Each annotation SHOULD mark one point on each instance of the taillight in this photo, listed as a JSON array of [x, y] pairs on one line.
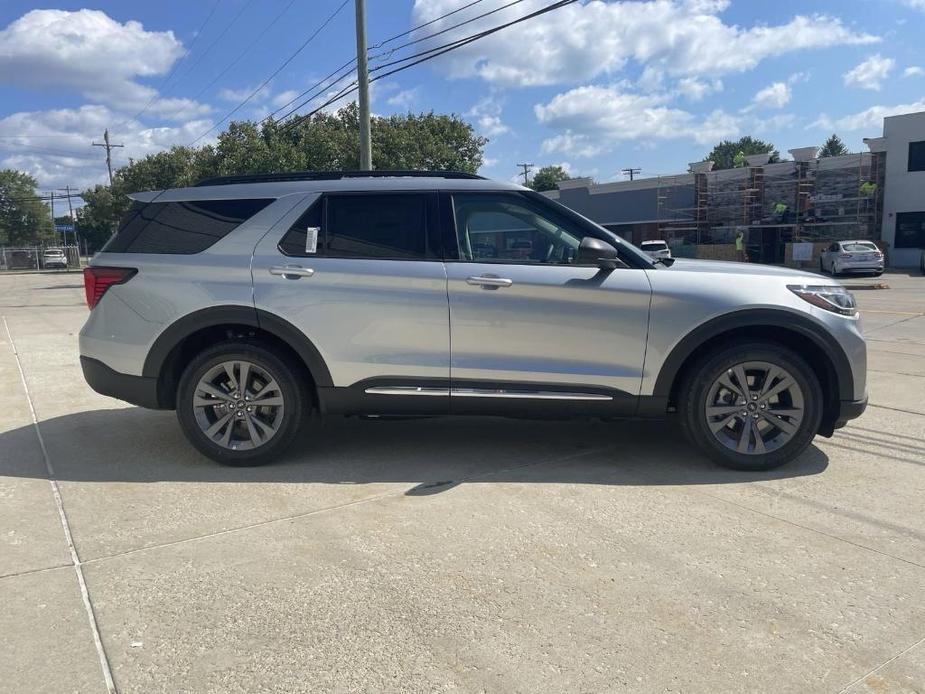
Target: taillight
[[98, 279]]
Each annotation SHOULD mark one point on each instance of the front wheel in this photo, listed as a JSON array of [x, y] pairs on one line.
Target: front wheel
[[751, 407], [240, 403]]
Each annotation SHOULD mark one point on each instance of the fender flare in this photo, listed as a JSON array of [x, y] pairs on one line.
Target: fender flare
[[191, 323], [756, 318]]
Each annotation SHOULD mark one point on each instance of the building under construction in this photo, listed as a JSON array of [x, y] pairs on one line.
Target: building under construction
[[700, 213]]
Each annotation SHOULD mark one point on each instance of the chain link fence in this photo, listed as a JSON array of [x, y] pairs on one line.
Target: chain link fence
[[40, 258]]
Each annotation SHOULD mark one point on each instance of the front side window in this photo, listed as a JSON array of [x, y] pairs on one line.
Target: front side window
[[917, 156], [910, 230], [509, 228]]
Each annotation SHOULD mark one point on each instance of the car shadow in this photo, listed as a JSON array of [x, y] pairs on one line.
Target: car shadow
[[133, 445]]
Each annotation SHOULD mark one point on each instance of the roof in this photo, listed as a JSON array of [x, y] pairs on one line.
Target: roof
[[354, 182]]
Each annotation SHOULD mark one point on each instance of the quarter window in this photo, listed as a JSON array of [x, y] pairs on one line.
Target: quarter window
[[183, 227], [295, 240], [499, 228]]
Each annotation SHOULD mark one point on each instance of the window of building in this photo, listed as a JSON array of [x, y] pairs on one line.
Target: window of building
[[910, 230], [180, 227], [917, 156]]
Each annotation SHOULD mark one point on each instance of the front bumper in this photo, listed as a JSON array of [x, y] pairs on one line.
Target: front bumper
[[850, 409], [137, 390]]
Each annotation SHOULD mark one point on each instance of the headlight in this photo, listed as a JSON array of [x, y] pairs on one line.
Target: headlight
[[835, 298]]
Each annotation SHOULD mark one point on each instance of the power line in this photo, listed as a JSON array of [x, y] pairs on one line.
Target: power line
[[245, 51], [427, 55], [275, 72], [176, 66], [391, 51], [350, 63]]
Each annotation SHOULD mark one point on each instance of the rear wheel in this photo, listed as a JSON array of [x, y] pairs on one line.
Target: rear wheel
[[752, 407], [240, 403]]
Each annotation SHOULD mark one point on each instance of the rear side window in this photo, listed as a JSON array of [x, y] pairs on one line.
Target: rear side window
[[180, 227], [377, 226], [385, 226]]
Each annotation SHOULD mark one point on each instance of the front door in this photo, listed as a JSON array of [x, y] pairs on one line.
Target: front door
[[530, 329], [361, 275]]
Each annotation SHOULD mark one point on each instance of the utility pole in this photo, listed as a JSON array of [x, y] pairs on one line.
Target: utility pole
[[527, 168], [109, 147], [366, 155], [631, 172], [70, 209]]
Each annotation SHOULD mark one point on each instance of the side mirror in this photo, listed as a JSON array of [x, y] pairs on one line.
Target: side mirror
[[593, 251]]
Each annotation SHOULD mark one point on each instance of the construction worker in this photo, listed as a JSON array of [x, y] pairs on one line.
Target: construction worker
[[740, 246]]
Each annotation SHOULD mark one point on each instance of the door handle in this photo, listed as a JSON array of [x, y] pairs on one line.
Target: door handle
[[489, 282], [291, 272]]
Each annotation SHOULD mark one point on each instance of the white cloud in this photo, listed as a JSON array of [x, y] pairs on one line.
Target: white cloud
[[695, 89], [868, 119], [487, 114], [869, 73], [404, 99], [90, 53], [776, 95], [913, 71], [284, 98], [593, 118], [55, 146], [583, 40], [239, 95], [774, 123]]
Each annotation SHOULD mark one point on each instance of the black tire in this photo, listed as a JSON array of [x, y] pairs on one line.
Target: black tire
[[279, 366], [695, 390]]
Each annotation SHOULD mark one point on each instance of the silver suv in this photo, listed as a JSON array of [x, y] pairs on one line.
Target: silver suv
[[246, 302]]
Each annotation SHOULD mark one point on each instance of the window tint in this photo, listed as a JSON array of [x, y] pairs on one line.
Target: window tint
[[917, 156], [293, 243], [505, 228], [377, 226], [180, 227], [910, 230]]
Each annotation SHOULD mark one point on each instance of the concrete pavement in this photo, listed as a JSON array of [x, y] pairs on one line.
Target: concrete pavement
[[453, 554]]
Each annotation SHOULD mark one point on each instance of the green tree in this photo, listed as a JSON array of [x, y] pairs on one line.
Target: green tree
[[324, 142], [833, 147], [548, 177], [24, 218], [725, 153]]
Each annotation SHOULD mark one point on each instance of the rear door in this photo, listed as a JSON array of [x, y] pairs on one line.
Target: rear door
[[531, 329], [361, 276]]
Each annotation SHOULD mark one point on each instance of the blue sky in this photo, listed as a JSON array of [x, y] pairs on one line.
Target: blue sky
[[596, 86]]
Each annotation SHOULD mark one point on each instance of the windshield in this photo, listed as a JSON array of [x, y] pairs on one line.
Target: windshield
[[858, 247]]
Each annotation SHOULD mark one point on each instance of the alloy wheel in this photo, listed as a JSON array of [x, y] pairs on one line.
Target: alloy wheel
[[238, 405], [754, 407]]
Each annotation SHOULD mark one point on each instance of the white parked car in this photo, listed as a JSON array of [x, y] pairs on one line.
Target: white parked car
[[655, 249], [851, 256], [54, 258]]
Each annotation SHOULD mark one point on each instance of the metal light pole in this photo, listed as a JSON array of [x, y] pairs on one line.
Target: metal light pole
[[366, 155]]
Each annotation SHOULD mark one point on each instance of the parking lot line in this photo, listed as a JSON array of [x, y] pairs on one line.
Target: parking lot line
[[75, 559]]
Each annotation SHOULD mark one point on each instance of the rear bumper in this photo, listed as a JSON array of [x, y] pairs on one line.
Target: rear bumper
[[137, 390]]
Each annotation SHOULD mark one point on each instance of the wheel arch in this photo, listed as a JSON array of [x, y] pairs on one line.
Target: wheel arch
[[805, 337], [190, 334]]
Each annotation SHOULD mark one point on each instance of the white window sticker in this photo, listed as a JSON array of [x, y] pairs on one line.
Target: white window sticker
[[311, 239]]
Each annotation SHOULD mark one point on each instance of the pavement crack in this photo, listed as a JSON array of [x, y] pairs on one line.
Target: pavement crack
[[881, 666]]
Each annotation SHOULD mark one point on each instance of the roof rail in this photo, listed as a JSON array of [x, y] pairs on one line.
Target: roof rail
[[328, 176]]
